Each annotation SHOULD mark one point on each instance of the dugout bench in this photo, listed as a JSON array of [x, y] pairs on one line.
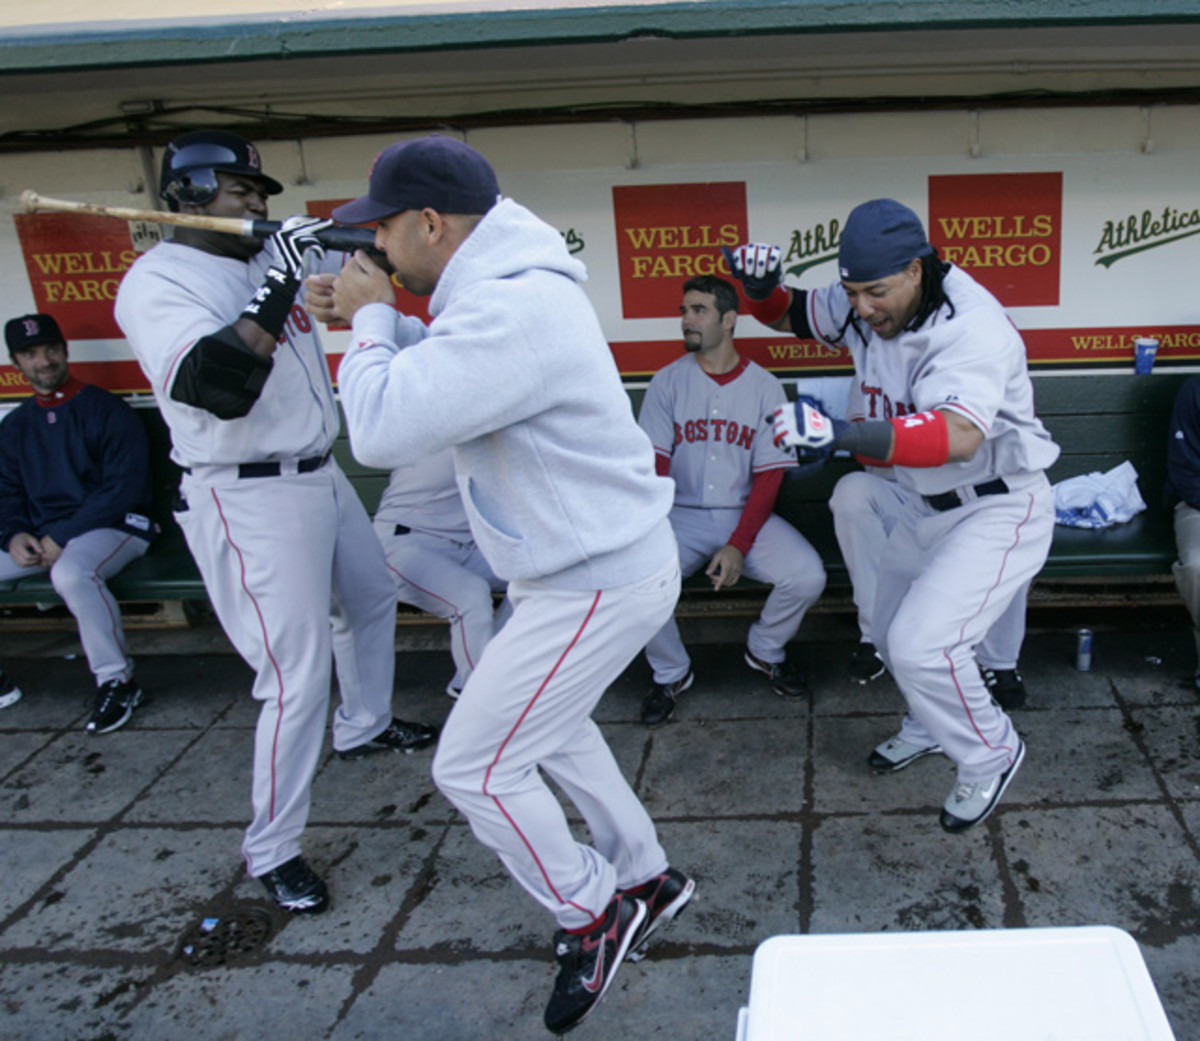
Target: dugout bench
[[1098, 419]]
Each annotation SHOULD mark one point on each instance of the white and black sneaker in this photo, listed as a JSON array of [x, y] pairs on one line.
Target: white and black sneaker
[[115, 702], [296, 887], [397, 736], [659, 703], [895, 754], [968, 804], [865, 664], [1005, 686], [9, 692]]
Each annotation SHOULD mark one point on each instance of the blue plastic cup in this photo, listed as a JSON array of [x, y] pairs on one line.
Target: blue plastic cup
[[1145, 348]]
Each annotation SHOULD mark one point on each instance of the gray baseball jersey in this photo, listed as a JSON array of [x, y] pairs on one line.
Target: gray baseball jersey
[[972, 363], [715, 434]]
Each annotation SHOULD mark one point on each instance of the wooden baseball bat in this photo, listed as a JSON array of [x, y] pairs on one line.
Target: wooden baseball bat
[[342, 237]]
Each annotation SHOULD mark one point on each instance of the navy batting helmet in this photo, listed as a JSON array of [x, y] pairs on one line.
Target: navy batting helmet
[[191, 163]]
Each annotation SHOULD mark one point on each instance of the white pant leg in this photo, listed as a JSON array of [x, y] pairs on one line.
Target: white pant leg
[[80, 577], [10, 570], [784, 558], [698, 534], [1187, 568], [364, 623], [449, 579], [946, 579], [265, 547], [529, 704], [864, 510], [1000, 647]]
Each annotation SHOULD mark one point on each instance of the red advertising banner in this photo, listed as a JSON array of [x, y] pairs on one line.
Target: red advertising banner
[[668, 233], [75, 263], [1004, 229]]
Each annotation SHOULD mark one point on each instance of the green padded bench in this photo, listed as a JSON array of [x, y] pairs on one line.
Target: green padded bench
[[1099, 420]]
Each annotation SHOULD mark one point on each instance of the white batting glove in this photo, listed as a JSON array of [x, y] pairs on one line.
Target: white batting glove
[[757, 266], [296, 238], [802, 425]]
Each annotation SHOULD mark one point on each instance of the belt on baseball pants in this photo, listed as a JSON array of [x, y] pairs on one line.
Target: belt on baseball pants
[[274, 468], [952, 500]]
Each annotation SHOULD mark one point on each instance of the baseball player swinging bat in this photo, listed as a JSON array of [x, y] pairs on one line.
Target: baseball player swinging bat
[[346, 239]]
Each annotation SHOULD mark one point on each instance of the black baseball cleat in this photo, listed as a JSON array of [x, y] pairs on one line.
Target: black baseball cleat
[[659, 704], [296, 887], [398, 736], [786, 679], [665, 897], [587, 962], [115, 702], [1005, 686], [865, 664]]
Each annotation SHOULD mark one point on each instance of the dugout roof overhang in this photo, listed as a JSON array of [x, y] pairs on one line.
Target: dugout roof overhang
[[99, 72]]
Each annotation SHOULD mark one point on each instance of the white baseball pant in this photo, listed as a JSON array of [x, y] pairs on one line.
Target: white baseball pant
[[944, 581], [451, 580], [295, 574], [864, 509], [528, 705], [780, 556]]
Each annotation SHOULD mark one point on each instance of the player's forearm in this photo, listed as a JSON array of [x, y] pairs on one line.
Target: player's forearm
[[255, 337], [923, 439]]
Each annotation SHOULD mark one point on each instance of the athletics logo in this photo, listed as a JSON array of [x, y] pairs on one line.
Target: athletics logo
[[1135, 234]]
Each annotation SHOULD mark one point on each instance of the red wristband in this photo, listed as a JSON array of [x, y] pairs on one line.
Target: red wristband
[[770, 310], [921, 439]]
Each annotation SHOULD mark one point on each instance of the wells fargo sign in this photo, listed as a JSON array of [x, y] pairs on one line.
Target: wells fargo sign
[[75, 263], [668, 233], [1004, 229]]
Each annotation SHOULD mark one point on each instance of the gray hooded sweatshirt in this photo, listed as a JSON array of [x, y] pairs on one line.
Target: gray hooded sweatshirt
[[515, 373]]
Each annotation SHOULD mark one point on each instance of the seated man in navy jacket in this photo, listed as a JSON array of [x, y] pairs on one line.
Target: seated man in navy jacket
[[74, 488]]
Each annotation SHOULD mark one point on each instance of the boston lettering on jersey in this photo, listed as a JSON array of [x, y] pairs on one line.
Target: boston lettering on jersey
[[728, 431], [878, 405]]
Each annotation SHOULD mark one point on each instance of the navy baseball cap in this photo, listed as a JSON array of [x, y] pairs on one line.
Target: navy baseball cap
[[880, 237], [439, 172], [30, 330]]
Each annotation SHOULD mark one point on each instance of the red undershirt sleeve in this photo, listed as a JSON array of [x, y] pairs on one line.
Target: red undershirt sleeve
[[764, 490]]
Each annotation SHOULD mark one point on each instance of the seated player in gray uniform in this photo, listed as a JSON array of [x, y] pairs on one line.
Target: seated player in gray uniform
[[947, 402], [1181, 492], [435, 561], [706, 415], [74, 490]]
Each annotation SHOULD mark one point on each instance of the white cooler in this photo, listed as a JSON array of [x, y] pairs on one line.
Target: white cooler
[[1085, 983]]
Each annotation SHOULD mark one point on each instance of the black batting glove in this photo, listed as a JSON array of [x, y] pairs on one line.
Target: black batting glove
[[757, 265]]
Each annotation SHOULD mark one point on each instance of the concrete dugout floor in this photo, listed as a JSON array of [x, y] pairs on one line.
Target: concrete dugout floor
[[113, 847]]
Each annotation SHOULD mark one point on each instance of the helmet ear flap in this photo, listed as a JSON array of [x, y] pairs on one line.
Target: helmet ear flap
[[195, 187]]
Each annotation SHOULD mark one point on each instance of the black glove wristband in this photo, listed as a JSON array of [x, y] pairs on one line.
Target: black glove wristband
[[270, 306]]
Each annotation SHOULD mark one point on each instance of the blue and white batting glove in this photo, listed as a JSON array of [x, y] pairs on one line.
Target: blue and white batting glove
[[757, 266], [295, 239], [804, 426]]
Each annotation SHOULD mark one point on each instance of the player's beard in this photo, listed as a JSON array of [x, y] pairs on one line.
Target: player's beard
[[692, 342]]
